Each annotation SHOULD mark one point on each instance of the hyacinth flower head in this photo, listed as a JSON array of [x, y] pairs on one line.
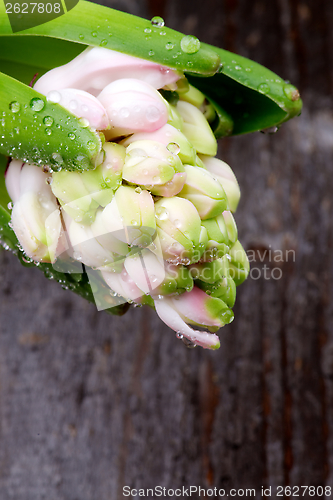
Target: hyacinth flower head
[[125, 179]]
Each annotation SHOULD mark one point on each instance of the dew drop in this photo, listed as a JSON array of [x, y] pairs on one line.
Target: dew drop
[[162, 33], [179, 335], [57, 158], [48, 131], [91, 145], [169, 45], [15, 106], [84, 122], [151, 53], [81, 37], [291, 92], [157, 21], [147, 30], [162, 213], [270, 130], [73, 104], [103, 43], [94, 33], [37, 104], [152, 114], [189, 343], [263, 88], [190, 44], [173, 147], [54, 96], [72, 136], [48, 121], [238, 68], [124, 112], [10, 205]]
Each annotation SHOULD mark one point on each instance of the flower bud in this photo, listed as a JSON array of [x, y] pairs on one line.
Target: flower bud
[[171, 138], [96, 67], [205, 192], [227, 178], [81, 193], [85, 247], [150, 165], [223, 287], [197, 308], [179, 230], [132, 214], [193, 96], [133, 106], [197, 129], [36, 217], [239, 263]]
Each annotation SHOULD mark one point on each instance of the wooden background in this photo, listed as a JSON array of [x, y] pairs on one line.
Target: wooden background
[[90, 403]]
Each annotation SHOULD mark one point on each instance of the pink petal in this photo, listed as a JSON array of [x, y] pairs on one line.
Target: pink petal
[[167, 313], [83, 105], [192, 305], [133, 106], [172, 187], [96, 67], [12, 179]]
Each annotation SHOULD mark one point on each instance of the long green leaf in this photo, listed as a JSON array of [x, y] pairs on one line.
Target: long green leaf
[[41, 132], [254, 97]]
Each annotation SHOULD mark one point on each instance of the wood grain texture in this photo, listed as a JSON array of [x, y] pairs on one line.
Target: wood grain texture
[[90, 403]]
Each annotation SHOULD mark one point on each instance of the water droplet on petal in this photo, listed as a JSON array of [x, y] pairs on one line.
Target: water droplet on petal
[[54, 96], [162, 213], [10, 205], [124, 112], [157, 21], [190, 44], [173, 147], [189, 343], [152, 114]]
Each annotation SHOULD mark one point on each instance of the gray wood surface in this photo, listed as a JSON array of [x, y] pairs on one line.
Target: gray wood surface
[[90, 403]]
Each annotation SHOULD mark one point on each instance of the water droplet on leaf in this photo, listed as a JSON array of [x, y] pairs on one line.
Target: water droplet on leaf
[[263, 88], [37, 104], [15, 106], [157, 21], [190, 44]]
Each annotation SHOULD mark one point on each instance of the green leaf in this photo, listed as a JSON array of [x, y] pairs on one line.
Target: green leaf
[[253, 96], [38, 131]]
